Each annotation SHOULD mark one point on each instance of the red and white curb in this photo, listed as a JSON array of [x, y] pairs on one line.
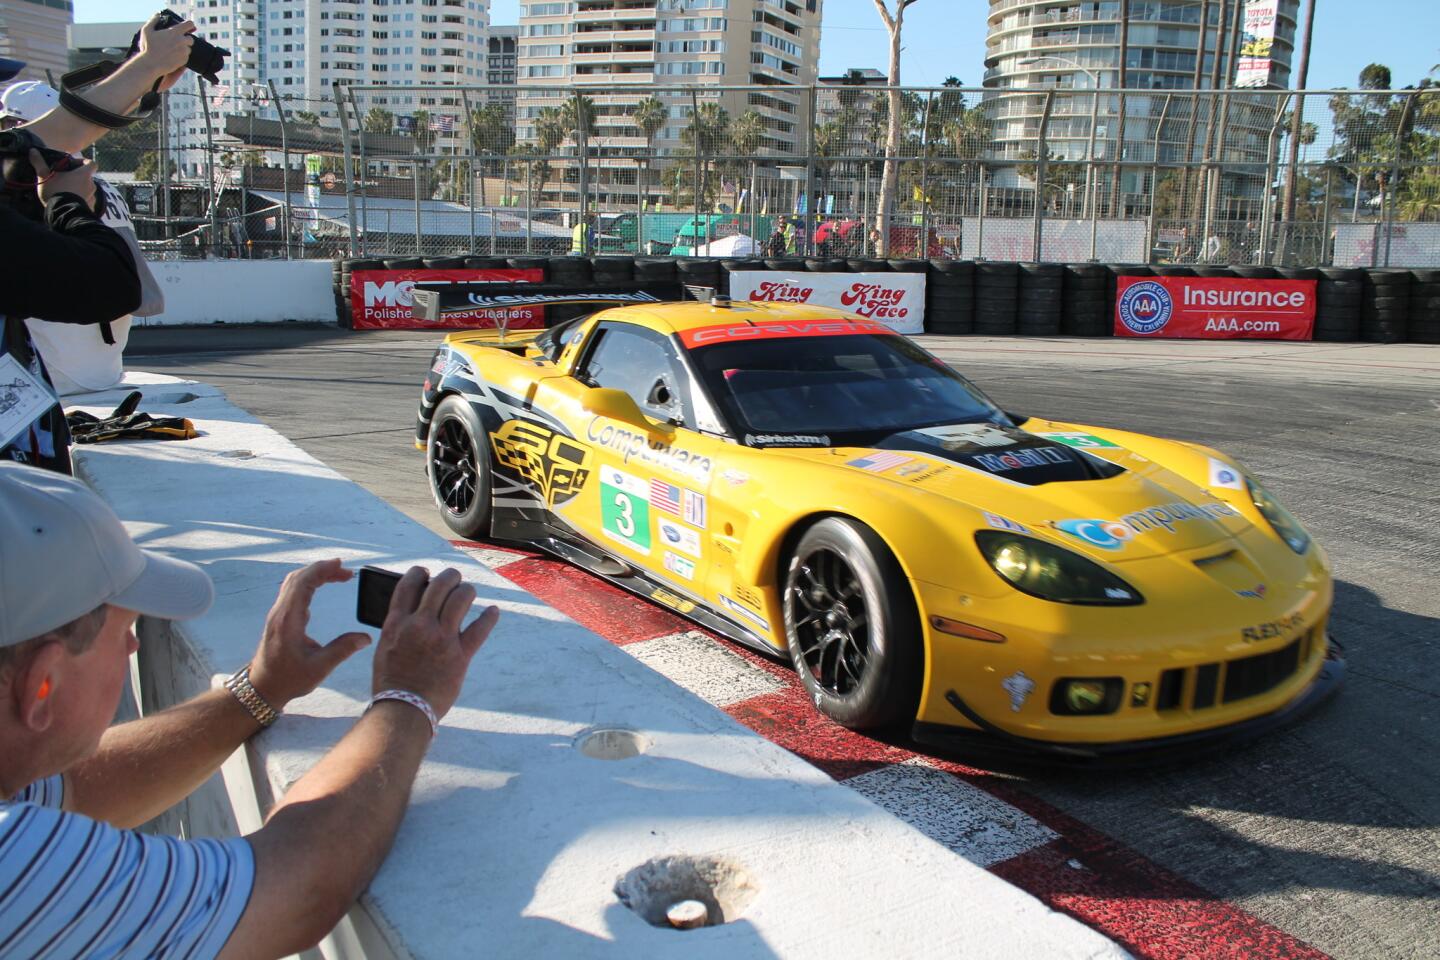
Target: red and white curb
[[989, 820]]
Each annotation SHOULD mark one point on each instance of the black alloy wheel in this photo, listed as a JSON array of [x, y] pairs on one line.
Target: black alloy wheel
[[852, 627], [459, 469]]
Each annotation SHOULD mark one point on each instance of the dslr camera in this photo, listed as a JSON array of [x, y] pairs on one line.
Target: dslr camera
[[18, 193], [206, 59]]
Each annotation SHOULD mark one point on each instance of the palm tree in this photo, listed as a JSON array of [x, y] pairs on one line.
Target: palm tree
[[308, 116], [968, 136], [491, 134], [551, 129], [378, 120], [709, 126], [746, 133], [650, 116]]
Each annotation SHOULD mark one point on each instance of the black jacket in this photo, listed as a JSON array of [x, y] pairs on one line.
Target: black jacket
[[71, 269]]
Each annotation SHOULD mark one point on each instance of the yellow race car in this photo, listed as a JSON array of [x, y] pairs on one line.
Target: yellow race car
[[816, 486]]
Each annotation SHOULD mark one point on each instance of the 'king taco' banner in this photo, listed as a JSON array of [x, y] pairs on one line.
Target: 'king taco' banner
[[1208, 308], [381, 299], [894, 299]]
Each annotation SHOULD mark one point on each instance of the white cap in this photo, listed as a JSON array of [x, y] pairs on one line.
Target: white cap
[[63, 552], [28, 100]]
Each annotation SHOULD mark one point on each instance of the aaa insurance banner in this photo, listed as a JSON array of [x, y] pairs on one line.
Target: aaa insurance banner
[[382, 299], [1206, 308], [894, 299]]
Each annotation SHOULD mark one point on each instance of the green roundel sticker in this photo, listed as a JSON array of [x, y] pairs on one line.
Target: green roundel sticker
[[625, 508], [1081, 440]]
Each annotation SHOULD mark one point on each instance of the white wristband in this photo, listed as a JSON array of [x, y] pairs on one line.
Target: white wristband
[[414, 699]]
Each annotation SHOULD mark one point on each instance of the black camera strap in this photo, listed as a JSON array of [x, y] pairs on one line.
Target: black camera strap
[[72, 82]]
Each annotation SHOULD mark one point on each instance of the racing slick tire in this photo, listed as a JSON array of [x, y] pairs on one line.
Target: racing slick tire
[[457, 464], [862, 668]]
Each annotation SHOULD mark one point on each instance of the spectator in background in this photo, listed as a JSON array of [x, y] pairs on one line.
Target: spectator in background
[[80, 882], [82, 358]]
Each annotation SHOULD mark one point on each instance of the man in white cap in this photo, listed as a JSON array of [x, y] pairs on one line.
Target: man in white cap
[[83, 357], [75, 879]]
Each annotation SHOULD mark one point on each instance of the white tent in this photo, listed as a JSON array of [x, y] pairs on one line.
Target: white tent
[[737, 246]]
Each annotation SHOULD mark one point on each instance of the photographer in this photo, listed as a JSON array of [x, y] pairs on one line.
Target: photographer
[[79, 881], [61, 262]]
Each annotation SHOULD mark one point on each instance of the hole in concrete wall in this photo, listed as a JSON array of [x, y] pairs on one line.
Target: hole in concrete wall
[[659, 890], [612, 743]]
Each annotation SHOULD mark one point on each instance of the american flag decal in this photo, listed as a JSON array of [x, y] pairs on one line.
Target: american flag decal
[[877, 462], [665, 496]]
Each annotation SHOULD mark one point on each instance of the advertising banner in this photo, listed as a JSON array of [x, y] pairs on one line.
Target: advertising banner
[[1253, 67], [382, 299], [1204, 308], [894, 299]]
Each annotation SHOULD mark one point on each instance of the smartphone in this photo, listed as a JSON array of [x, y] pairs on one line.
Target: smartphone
[[372, 601]]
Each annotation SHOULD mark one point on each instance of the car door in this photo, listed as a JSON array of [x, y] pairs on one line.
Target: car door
[[652, 479]]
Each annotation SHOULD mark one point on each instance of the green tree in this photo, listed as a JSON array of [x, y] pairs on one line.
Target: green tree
[[491, 135], [650, 115], [378, 120], [307, 116], [706, 133], [746, 133]]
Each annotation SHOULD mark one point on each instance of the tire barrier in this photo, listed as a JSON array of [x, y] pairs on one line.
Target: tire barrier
[[997, 294], [993, 298], [1038, 306], [1385, 306], [1424, 320], [950, 297], [1338, 296], [1084, 300]]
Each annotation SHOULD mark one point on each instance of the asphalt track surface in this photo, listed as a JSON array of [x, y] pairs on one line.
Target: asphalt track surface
[[1322, 839]]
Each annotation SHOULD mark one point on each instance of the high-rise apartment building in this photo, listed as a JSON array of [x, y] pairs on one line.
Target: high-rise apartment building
[[35, 31], [304, 46], [1073, 47], [623, 51]]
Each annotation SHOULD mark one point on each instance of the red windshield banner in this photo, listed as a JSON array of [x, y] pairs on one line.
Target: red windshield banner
[[1210, 308], [381, 299], [731, 332]]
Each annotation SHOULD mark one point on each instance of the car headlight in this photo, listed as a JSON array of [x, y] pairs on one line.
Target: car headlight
[[1052, 573], [1280, 520]]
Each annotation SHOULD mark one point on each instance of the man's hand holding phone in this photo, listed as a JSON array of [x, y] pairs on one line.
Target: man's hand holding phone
[[423, 649]]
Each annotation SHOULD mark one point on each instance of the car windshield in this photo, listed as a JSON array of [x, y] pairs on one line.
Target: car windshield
[[866, 383]]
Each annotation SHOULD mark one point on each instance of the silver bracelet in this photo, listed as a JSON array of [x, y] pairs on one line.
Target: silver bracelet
[[238, 683], [415, 700]]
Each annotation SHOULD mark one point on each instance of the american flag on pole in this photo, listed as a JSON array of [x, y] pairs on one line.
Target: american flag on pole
[[665, 496], [443, 123]]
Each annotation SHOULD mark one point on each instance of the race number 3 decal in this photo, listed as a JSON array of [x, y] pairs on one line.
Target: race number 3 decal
[[625, 509]]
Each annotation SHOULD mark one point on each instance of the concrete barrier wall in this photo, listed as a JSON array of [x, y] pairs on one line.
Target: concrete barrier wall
[[516, 839], [243, 291]]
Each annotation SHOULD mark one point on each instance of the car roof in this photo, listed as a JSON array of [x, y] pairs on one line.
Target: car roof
[[670, 318]]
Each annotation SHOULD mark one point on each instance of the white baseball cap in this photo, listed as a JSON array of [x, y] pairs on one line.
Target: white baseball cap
[[64, 552], [28, 100]]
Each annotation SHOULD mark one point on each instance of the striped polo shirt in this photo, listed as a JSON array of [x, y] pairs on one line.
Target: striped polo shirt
[[74, 887]]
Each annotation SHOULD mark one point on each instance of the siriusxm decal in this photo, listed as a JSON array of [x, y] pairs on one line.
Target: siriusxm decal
[[1145, 307], [1114, 534]]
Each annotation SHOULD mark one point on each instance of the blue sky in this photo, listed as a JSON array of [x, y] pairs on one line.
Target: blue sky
[[947, 37]]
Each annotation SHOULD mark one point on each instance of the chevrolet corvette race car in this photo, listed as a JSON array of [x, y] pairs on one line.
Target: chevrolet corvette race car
[[816, 486]]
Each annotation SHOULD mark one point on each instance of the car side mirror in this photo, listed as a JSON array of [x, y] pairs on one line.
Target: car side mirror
[[616, 404]]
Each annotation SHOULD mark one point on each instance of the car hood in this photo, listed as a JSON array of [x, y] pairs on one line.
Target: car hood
[[1116, 508]]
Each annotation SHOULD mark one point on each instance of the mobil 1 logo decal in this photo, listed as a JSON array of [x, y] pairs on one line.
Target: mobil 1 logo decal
[[625, 508]]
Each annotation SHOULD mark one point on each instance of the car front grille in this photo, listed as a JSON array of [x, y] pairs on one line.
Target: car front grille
[[1232, 680]]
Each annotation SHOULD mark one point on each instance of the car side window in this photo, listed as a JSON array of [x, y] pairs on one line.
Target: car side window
[[643, 364]]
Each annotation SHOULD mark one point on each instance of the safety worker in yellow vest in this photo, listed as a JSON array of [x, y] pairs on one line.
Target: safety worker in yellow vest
[[582, 238]]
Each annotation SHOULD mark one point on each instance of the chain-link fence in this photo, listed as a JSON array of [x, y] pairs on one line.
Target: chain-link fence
[[1053, 173]]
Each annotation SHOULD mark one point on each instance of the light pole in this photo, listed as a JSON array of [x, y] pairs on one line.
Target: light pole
[[1094, 119]]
